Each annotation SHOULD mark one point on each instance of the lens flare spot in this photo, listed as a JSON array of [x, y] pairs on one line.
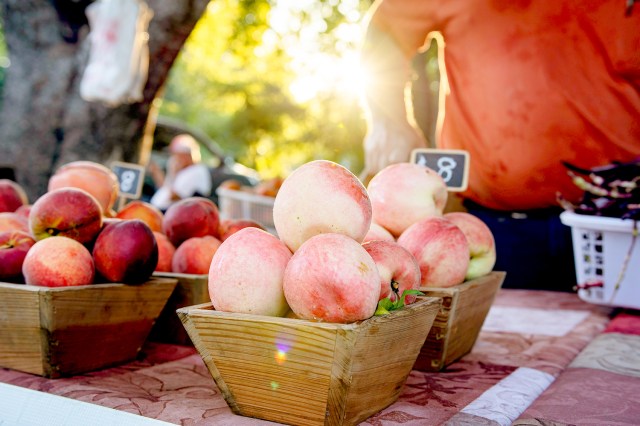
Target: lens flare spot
[[274, 385], [281, 356]]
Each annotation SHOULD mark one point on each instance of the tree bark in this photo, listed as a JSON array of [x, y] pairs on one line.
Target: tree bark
[[44, 123]]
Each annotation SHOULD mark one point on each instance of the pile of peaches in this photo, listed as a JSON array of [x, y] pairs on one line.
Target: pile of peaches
[[71, 235], [343, 251]]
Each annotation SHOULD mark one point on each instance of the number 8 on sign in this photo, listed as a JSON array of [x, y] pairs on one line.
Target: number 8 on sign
[[451, 165]]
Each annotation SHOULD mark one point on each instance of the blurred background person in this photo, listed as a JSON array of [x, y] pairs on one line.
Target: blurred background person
[[186, 175], [525, 85]]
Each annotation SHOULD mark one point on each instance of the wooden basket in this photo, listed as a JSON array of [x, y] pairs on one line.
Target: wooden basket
[[192, 289], [63, 331], [302, 372], [457, 325]]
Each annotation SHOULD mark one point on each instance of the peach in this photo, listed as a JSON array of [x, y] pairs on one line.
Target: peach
[[13, 222], [92, 177], [269, 187], [147, 212], [24, 211], [58, 262], [321, 197], [405, 193], [166, 250], [14, 246], [126, 252], [191, 217], [332, 278], [194, 255], [482, 246], [246, 274], [398, 269], [66, 212], [230, 226], [377, 232], [441, 249], [12, 196]]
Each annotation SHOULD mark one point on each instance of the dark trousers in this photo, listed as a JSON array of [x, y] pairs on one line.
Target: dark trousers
[[533, 247]]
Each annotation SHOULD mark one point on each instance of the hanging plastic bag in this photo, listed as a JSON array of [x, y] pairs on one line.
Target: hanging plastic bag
[[119, 54]]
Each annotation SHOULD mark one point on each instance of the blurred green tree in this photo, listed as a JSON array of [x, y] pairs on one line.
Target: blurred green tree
[[238, 72]]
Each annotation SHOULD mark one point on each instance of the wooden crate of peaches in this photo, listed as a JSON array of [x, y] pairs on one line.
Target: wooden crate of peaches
[[76, 292], [298, 312]]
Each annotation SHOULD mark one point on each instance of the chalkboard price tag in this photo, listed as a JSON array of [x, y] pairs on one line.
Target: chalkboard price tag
[[130, 179], [451, 164]]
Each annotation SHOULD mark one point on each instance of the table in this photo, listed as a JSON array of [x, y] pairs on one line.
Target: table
[[542, 358]]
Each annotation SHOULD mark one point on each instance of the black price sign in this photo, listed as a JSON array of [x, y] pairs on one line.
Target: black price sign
[[130, 179], [452, 165]]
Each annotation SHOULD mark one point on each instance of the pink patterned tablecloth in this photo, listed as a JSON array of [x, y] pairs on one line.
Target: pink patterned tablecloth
[[542, 358]]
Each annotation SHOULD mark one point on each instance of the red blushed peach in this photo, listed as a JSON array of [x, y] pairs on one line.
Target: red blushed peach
[[24, 211], [194, 255], [482, 247], [378, 233], [332, 278], [146, 212], [398, 269], [246, 274], [441, 249], [166, 250], [405, 193], [12, 196], [14, 246], [92, 177], [230, 226], [66, 212], [126, 252], [191, 217], [58, 262], [321, 197], [13, 222]]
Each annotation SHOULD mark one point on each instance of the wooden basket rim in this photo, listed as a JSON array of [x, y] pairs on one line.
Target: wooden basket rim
[[43, 289], [206, 310]]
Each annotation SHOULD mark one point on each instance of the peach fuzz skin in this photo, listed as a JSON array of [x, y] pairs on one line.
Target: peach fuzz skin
[[58, 262], [396, 266], [166, 250], [482, 246], [321, 197], [12, 196], [66, 212], [441, 249], [246, 274], [146, 212], [404, 193], [191, 217], [92, 177], [194, 255], [332, 278]]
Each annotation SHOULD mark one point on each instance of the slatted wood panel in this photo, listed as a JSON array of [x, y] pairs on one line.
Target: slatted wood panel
[[300, 372], [191, 290], [68, 330], [457, 325]]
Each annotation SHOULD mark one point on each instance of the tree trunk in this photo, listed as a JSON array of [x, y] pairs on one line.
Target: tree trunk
[[44, 123]]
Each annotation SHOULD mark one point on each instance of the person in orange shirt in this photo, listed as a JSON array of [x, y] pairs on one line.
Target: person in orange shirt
[[527, 85]]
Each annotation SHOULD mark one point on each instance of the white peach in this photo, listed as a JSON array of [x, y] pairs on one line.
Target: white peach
[[482, 246]]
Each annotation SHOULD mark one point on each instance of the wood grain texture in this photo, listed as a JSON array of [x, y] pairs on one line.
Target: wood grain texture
[[63, 331], [191, 290], [457, 325], [301, 372]]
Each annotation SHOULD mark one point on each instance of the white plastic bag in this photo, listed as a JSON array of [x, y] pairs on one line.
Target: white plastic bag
[[119, 54]]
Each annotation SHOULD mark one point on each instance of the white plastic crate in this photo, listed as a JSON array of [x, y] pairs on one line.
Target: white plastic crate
[[600, 246], [245, 205]]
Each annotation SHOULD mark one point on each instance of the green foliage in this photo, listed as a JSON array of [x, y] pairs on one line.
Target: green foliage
[[234, 76]]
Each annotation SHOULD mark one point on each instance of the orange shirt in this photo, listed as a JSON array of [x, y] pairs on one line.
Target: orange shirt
[[531, 83]]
